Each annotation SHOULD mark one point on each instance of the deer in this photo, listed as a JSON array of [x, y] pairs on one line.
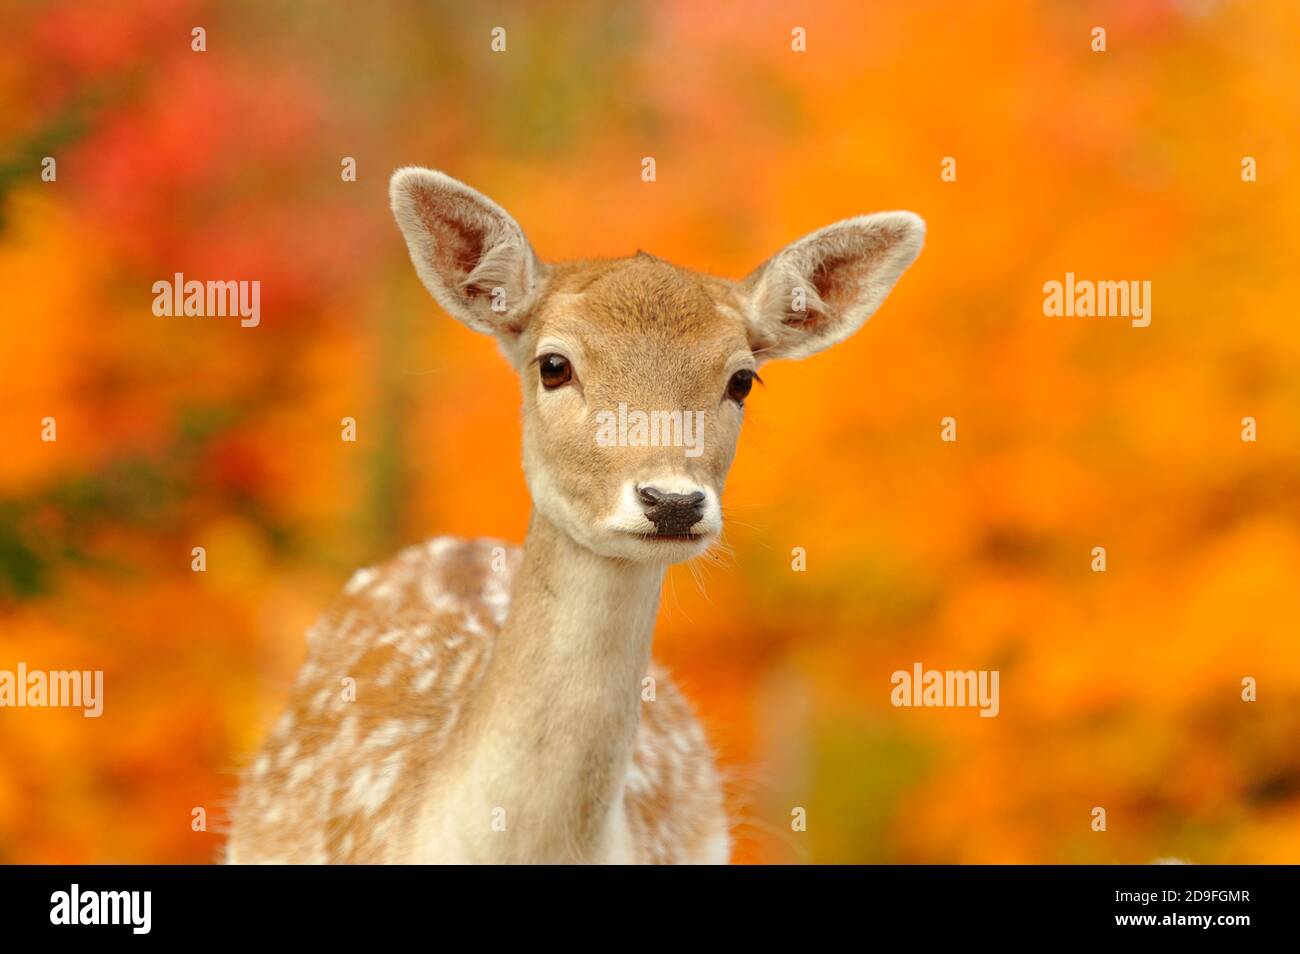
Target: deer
[[469, 701]]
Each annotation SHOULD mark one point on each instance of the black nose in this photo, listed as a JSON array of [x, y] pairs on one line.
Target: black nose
[[672, 514]]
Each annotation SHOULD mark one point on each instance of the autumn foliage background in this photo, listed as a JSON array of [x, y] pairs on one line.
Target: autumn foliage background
[[1119, 689]]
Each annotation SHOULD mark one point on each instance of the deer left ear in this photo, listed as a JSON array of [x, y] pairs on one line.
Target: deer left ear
[[820, 289]]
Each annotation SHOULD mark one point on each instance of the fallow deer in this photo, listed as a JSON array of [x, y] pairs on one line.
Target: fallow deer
[[470, 701]]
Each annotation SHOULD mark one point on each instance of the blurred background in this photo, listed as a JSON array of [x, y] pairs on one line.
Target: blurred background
[[1119, 689]]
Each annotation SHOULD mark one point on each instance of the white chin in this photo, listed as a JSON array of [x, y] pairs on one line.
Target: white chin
[[646, 548]]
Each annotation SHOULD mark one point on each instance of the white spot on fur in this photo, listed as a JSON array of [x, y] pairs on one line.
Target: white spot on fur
[[372, 784], [390, 733], [424, 682], [301, 772], [360, 580]]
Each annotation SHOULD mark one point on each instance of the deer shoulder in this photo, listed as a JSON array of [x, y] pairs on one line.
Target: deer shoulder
[[390, 670]]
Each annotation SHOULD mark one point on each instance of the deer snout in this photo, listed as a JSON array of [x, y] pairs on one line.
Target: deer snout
[[672, 514]]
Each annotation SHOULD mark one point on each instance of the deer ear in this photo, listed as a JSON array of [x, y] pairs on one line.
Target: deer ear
[[468, 251], [819, 290]]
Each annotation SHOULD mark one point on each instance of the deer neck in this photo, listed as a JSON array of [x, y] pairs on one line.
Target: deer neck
[[557, 713]]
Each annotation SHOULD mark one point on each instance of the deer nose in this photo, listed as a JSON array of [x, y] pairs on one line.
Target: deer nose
[[672, 514]]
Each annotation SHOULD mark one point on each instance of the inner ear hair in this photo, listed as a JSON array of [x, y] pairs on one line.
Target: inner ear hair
[[821, 288], [801, 302], [464, 247]]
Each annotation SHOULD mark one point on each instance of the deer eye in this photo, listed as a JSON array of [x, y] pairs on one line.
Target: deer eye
[[555, 370], [739, 385]]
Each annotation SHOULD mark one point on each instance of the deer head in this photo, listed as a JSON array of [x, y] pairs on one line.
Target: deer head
[[634, 371]]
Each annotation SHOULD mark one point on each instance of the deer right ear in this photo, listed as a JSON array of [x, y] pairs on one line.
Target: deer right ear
[[470, 254]]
